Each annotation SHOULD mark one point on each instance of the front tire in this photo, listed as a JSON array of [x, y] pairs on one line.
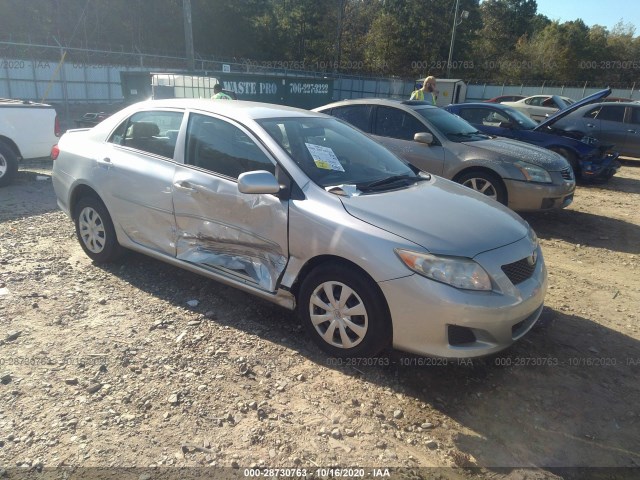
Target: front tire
[[95, 230], [8, 165], [343, 312], [486, 183]]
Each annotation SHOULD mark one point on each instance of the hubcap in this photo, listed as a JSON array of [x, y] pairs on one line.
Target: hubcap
[[338, 314], [92, 230], [483, 186], [3, 165]]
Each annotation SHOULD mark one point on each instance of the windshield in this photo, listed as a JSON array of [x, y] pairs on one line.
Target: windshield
[[523, 120], [332, 153], [451, 126]]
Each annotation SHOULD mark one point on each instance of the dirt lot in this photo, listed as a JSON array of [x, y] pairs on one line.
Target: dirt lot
[[109, 366]]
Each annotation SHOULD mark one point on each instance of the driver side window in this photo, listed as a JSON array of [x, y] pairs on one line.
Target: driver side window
[[220, 147], [394, 123]]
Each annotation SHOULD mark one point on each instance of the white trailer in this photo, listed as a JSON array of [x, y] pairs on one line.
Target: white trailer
[[450, 90]]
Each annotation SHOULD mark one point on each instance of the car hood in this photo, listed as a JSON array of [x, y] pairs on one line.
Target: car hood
[[507, 150], [573, 107], [442, 216]]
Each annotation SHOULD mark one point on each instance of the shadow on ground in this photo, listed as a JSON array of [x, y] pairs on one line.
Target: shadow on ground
[[30, 193], [566, 395], [584, 228]]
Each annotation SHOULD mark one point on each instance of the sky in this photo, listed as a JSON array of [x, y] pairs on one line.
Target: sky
[[601, 12]]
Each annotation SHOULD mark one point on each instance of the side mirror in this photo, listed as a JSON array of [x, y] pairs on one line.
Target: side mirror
[[423, 137], [259, 181], [506, 125]]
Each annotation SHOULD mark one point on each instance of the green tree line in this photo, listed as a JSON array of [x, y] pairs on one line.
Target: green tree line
[[498, 41]]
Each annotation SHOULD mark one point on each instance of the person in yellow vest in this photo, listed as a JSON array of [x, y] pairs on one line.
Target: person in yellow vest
[[428, 92], [218, 94]]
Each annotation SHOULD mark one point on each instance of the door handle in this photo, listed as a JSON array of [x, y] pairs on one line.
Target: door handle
[[631, 131], [185, 187], [591, 125], [106, 161]]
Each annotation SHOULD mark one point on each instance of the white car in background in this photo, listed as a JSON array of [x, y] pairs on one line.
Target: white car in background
[[539, 107]]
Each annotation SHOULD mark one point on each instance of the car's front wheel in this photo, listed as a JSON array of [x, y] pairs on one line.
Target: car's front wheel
[[485, 183], [95, 231], [343, 311], [8, 165]]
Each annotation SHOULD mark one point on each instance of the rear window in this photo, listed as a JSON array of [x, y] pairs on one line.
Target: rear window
[[356, 115], [613, 113]]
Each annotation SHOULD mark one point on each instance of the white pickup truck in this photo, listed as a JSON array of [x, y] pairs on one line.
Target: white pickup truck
[[27, 130]]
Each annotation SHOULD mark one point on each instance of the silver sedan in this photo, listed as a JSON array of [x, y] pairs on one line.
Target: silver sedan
[[303, 210], [514, 173]]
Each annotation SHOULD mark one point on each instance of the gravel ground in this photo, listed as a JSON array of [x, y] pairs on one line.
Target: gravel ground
[[140, 364]]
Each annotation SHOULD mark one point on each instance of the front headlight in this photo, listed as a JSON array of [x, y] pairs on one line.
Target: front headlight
[[455, 271], [533, 238], [533, 173]]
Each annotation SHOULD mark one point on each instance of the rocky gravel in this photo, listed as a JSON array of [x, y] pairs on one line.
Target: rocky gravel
[[141, 364]]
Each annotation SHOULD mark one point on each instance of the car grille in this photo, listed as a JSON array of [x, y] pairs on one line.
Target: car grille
[[519, 271], [567, 174]]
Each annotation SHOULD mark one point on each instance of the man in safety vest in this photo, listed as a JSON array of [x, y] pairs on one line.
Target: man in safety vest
[[218, 94], [428, 92]]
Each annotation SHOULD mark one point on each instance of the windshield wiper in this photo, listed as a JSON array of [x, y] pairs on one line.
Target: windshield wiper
[[390, 180]]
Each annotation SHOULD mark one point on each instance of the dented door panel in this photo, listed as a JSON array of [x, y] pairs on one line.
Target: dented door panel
[[221, 229]]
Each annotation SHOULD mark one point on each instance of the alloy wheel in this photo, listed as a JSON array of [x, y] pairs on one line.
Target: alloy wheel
[[482, 185]]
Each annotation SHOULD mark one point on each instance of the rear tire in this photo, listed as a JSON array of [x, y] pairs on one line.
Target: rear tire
[[8, 164], [95, 230], [484, 182], [343, 312]]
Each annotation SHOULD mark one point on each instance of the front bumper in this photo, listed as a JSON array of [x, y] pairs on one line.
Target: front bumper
[[602, 168], [530, 196], [426, 315]]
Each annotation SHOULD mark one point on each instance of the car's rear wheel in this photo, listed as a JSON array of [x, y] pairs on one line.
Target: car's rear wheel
[[485, 183], [344, 312], [95, 230], [8, 165]]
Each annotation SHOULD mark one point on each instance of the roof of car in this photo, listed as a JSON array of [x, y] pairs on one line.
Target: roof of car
[[378, 101], [612, 104], [480, 104], [232, 108]]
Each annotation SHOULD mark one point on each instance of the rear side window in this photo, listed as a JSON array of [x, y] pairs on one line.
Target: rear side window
[[394, 123], [356, 115], [535, 101], [153, 132], [612, 113], [635, 116], [221, 147]]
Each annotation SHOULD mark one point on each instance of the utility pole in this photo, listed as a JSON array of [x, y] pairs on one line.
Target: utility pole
[[188, 34], [453, 38], [456, 21], [338, 56]]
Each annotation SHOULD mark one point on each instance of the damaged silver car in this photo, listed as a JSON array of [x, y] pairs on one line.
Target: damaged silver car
[[303, 210]]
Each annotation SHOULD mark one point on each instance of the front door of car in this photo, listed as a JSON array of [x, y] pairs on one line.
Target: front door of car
[[243, 236], [632, 140], [134, 174], [609, 125], [395, 129]]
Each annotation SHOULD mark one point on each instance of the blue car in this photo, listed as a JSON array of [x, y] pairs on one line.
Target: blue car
[[589, 158]]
